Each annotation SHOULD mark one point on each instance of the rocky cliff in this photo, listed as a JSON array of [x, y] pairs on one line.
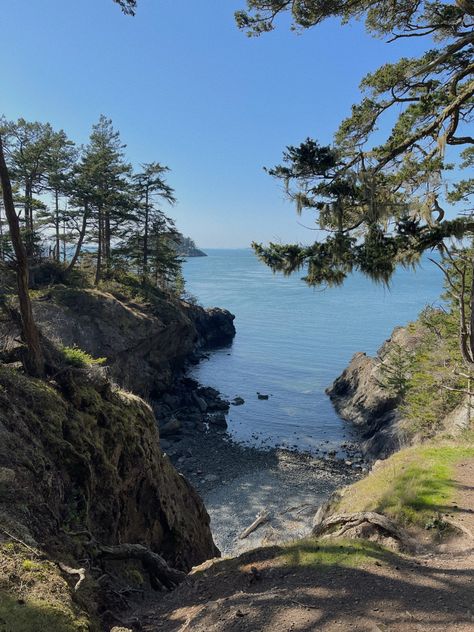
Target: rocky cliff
[[84, 483], [145, 344], [358, 397], [81, 468]]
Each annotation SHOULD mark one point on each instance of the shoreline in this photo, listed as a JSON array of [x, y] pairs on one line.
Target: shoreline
[[238, 481]]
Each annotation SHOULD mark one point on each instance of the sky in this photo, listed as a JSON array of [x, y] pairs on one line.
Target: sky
[[186, 88]]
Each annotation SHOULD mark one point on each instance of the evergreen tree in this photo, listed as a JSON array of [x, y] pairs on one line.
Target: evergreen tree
[[382, 205], [27, 148], [62, 155], [150, 184], [33, 357], [108, 178]]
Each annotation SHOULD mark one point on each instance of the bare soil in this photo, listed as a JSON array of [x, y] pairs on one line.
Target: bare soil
[[388, 592]]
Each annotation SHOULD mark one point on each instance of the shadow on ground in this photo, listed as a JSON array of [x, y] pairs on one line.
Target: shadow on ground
[[314, 586]]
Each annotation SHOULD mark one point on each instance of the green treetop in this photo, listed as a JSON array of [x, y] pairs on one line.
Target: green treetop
[[380, 203]]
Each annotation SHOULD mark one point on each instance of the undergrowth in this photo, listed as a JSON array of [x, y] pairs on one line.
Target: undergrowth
[[79, 358], [33, 595]]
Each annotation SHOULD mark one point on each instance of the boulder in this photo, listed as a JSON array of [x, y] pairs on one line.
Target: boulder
[[173, 427], [218, 419], [215, 326]]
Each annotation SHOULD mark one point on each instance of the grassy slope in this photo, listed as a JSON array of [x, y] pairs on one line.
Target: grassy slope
[[413, 486], [33, 595]]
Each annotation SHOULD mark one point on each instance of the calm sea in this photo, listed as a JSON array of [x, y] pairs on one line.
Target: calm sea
[[293, 341]]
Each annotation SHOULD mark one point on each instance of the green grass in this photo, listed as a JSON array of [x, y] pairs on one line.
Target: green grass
[[36, 616], [79, 358], [414, 486], [320, 554]]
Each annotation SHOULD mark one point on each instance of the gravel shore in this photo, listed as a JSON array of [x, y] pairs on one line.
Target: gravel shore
[[237, 482]]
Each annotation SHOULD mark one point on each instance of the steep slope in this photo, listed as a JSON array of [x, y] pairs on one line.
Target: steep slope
[[145, 343], [81, 469]]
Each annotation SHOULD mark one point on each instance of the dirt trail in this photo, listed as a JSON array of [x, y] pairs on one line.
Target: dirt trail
[[265, 591]]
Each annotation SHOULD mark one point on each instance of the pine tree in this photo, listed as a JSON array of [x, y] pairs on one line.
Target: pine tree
[[108, 178], [150, 185], [381, 204]]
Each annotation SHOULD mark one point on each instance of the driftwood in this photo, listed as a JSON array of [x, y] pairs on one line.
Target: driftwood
[[162, 575], [262, 517], [337, 525], [74, 571]]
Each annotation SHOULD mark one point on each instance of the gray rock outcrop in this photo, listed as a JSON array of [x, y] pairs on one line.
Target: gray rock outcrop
[[358, 397]]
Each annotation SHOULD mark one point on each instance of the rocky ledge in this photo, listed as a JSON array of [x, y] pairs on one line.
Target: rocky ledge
[[145, 345], [358, 397]]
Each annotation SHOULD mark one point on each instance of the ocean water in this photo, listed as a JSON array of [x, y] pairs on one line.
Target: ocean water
[[293, 341]]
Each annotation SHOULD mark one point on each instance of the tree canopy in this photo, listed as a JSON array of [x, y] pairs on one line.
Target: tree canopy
[[127, 6], [382, 204]]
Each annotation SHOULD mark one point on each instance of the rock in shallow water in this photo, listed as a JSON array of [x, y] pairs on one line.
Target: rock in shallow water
[[218, 419]]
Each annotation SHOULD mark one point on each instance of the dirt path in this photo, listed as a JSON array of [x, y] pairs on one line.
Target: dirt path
[[269, 590]]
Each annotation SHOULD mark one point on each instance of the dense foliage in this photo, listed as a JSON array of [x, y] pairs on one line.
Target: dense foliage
[[381, 204], [428, 371], [86, 203]]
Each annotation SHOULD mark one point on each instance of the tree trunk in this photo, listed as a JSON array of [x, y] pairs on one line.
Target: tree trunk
[[145, 236], [2, 244], [107, 239], [57, 254], [82, 234], [98, 268], [34, 361], [29, 229]]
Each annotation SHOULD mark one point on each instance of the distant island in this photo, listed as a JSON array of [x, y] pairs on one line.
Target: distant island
[[185, 247]]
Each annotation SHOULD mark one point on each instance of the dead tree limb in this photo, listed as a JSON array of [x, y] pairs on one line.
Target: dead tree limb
[[262, 517]]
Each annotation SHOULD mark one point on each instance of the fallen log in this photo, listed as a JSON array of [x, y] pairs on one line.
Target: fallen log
[[262, 517]]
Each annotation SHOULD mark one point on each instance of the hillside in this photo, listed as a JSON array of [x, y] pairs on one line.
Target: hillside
[[86, 493], [372, 582], [185, 247]]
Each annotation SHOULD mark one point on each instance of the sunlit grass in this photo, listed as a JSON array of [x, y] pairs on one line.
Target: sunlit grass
[[321, 554], [79, 358], [413, 486]]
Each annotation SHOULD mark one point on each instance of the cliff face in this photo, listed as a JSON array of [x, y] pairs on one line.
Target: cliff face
[[86, 456], [81, 468], [359, 398], [145, 345]]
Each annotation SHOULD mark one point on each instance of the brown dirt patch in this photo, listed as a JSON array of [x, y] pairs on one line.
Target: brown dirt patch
[[433, 592]]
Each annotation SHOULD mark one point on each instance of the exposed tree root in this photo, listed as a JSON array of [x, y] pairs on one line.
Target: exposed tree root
[[338, 525], [81, 572], [161, 575]]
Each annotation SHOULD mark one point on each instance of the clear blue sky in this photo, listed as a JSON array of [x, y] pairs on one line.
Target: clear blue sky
[[186, 88]]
